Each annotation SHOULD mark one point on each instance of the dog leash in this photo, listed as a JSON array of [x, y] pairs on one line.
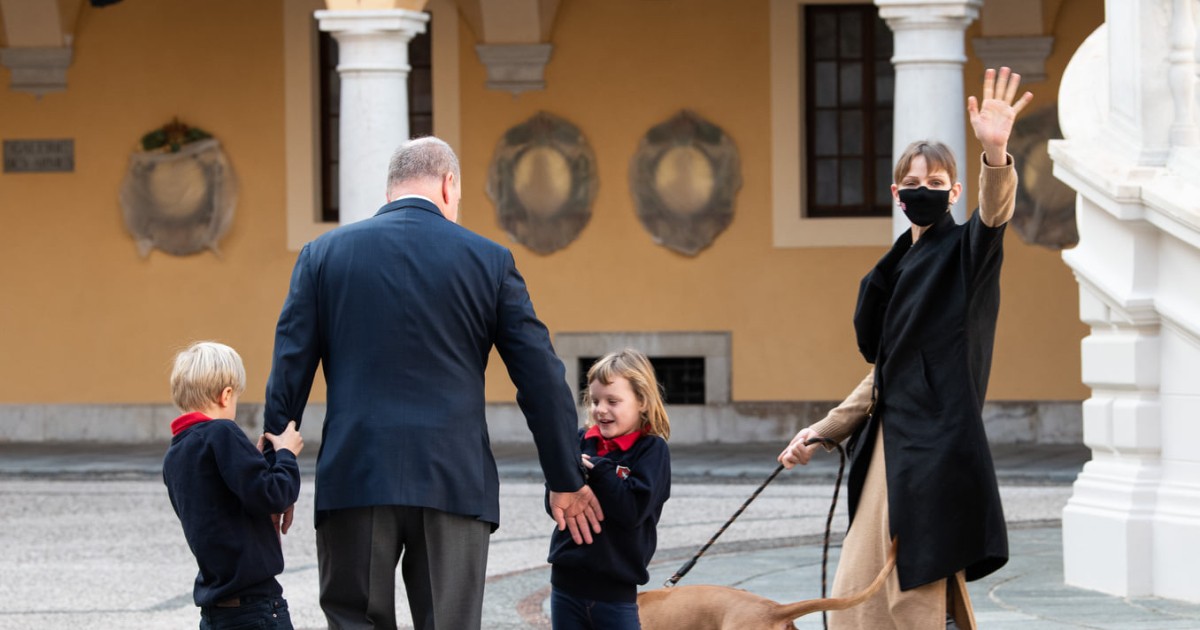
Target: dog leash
[[837, 486], [674, 579], [827, 442]]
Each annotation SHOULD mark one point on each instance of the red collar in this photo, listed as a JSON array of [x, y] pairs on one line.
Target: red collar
[[187, 420], [619, 443]]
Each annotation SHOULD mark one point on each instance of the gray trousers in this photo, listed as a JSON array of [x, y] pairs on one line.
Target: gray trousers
[[442, 557]]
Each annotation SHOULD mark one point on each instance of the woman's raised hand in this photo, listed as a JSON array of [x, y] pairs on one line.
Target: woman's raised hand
[[993, 118]]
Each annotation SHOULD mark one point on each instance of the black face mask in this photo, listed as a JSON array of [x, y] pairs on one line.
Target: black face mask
[[923, 206]]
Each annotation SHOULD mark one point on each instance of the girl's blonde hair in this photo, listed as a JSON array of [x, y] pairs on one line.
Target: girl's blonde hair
[[937, 157], [635, 368], [202, 372]]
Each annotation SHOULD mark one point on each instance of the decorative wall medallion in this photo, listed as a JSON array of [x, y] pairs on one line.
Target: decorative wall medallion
[[1045, 207], [542, 181], [179, 193], [684, 178]]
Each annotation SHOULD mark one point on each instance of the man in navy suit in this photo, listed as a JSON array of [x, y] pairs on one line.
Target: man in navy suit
[[402, 311]]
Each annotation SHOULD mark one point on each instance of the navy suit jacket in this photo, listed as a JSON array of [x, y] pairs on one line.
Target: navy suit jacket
[[402, 310]]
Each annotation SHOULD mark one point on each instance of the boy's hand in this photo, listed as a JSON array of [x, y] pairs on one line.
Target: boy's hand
[[261, 443], [290, 439], [283, 522], [587, 462]]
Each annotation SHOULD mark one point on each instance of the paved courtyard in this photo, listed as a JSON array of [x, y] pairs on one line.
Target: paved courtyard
[[102, 549]]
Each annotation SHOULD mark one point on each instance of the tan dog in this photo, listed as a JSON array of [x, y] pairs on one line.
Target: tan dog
[[704, 607]]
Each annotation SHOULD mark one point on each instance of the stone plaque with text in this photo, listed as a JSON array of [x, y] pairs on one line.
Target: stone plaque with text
[[39, 156]]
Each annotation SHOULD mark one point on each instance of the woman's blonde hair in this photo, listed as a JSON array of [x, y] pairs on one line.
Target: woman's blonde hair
[[937, 157], [202, 372], [635, 368]]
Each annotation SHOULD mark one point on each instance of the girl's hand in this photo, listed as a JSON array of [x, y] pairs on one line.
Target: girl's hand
[[993, 119], [587, 462]]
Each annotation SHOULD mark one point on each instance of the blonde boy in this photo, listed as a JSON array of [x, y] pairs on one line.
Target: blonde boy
[[225, 492]]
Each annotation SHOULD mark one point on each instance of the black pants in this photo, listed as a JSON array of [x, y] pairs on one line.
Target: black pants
[[270, 613], [443, 558]]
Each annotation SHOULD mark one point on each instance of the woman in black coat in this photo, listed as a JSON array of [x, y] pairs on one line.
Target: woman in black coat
[[926, 318]]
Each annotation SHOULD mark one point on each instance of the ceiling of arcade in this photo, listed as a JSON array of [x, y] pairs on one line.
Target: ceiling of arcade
[[50, 25]]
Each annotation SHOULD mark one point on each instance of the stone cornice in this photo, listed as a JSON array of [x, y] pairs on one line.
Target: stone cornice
[[37, 70], [1160, 196], [901, 14], [1025, 55], [366, 21], [375, 5], [1133, 309], [515, 68], [1108, 181]]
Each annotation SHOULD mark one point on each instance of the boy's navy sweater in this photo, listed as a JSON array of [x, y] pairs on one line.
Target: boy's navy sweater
[[614, 564], [224, 492]]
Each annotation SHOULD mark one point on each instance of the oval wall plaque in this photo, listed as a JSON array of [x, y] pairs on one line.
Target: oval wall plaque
[[684, 178], [542, 181]]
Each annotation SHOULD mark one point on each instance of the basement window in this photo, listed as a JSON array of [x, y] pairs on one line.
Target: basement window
[[681, 378]]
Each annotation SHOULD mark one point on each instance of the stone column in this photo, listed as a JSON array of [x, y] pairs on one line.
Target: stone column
[[373, 66], [930, 103]]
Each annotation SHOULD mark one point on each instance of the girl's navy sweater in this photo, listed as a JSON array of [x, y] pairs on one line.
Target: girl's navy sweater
[[224, 492], [632, 486]]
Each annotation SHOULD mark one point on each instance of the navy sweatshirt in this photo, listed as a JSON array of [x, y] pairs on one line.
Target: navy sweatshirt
[[632, 486], [224, 492]]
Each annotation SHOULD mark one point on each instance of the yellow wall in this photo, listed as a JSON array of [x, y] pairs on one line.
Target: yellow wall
[[84, 319]]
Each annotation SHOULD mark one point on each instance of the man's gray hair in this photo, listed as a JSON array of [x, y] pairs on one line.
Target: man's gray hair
[[422, 158]]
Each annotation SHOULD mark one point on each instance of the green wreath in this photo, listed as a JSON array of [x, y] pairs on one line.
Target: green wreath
[[172, 136]]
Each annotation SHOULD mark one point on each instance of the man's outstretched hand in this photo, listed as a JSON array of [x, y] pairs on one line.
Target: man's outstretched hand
[[577, 511]]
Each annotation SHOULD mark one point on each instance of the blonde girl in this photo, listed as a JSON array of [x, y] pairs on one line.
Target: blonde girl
[[624, 451]]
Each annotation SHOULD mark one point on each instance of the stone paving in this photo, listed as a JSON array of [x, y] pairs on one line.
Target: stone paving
[[96, 544]]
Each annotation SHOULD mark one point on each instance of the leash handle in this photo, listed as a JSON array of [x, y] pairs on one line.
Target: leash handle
[[687, 566]]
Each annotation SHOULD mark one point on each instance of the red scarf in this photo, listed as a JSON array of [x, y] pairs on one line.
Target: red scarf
[[619, 443], [187, 420]]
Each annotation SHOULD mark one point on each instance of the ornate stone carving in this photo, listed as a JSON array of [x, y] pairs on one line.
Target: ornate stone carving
[[1045, 212], [542, 181], [684, 179], [181, 202]]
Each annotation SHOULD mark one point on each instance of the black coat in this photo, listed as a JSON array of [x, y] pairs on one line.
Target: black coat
[[926, 317]]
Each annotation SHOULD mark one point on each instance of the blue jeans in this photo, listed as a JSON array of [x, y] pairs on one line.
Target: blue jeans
[[568, 612], [255, 613]]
